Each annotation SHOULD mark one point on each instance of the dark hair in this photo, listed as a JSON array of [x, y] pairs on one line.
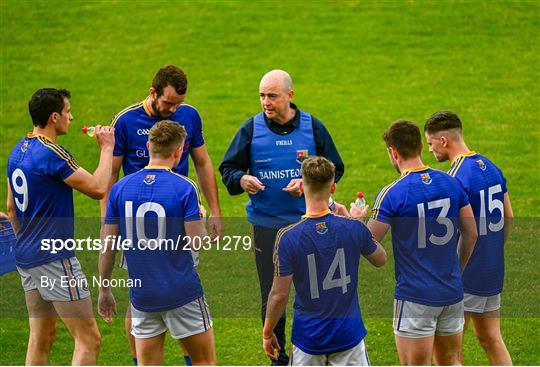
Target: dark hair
[[404, 136], [170, 75], [318, 173], [442, 121], [165, 137], [44, 102]]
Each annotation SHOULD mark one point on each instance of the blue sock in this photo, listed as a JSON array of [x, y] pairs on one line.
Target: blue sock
[[135, 361], [188, 361]]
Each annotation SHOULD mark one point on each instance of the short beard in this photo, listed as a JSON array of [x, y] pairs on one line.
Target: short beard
[[156, 110]]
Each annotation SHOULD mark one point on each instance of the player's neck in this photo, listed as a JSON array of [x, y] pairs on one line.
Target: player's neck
[[47, 132], [410, 164], [458, 149], [162, 162], [149, 105], [316, 205]]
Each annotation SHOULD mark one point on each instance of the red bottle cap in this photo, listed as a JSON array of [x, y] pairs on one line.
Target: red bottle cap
[[359, 195], [84, 129]]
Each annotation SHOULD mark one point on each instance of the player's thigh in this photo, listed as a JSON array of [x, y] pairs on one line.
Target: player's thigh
[[414, 351], [447, 349], [42, 317], [356, 356], [300, 358], [200, 347], [150, 350], [79, 318], [487, 325]]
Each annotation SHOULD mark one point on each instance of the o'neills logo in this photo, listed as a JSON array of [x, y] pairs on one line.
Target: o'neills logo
[[280, 173]]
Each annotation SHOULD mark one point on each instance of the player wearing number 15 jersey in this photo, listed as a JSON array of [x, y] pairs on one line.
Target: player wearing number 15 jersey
[[321, 255], [158, 204], [485, 186], [41, 175], [425, 208]]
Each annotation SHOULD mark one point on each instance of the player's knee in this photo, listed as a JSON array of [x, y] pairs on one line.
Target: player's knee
[[43, 340], [489, 340], [90, 340]]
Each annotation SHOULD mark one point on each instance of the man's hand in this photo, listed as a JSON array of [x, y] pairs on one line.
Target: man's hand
[[106, 305], [251, 184], [215, 227], [341, 209], [293, 187], [359, 213], [105, 136], [271, 347]]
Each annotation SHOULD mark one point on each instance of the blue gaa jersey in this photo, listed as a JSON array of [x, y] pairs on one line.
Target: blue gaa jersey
[[150, 205], [37, 168], [422, 208], [485, 186], [275, 160], [322, 253], [132, 126]]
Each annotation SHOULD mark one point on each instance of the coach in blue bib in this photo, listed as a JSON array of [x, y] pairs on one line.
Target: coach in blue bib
[[264, 160]]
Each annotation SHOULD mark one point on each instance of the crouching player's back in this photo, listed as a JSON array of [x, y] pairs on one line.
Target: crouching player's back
[[321, 255]]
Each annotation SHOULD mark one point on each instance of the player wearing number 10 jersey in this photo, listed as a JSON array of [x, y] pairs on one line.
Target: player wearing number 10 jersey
[[157, 203], [425, 208], [321, 255], [485, 186]]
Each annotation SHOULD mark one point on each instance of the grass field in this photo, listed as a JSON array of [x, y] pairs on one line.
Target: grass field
[[357, 66]]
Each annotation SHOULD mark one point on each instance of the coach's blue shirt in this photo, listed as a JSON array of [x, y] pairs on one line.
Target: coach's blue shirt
[[485, 186], [37, 168], [154, 203], [132, 126], [422, 208], [322, 253]]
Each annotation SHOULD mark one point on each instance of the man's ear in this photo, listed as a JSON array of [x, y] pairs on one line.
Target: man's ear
[[148, 146], [291, 94], [152, 92], [333, 188], [301, 186], [393, 153], [444, 141]]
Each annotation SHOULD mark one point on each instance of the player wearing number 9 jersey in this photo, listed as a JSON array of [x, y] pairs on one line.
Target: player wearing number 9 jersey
[[485, 186], [41, 175], [425, 208], [158, 204], [321, 255]]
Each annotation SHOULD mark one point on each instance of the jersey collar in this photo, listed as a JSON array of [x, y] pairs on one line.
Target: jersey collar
[[158, 167], [417, 169], [32, 135], [317, 215], [146, 107], [468, 154]]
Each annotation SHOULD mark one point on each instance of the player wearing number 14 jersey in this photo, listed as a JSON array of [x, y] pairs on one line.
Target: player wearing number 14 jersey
[[485, 186], [321, 255], [425, 208]]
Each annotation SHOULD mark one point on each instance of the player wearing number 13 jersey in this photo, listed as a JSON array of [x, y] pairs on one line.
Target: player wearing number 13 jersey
[[425, 209], [485, 186], [321, 255]]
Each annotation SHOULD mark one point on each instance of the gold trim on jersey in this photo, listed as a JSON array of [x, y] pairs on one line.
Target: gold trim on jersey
[[280, 234], [61, 152], [384, 191], [192, 183], [158, 167], [317, 215], [458, 161], [125, 110], [145, 106], [417, 169], [467, 154], [36, 135]]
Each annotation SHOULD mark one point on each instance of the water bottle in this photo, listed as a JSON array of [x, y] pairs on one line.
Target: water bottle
[[360, 202], [90, 131]]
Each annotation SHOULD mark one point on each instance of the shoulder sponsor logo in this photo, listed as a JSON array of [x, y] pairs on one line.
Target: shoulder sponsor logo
[[24, 146]]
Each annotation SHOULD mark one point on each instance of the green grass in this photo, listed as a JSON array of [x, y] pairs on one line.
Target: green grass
[[356, 65]]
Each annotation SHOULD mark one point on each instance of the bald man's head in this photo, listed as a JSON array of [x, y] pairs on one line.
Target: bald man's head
[[280, 78]]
